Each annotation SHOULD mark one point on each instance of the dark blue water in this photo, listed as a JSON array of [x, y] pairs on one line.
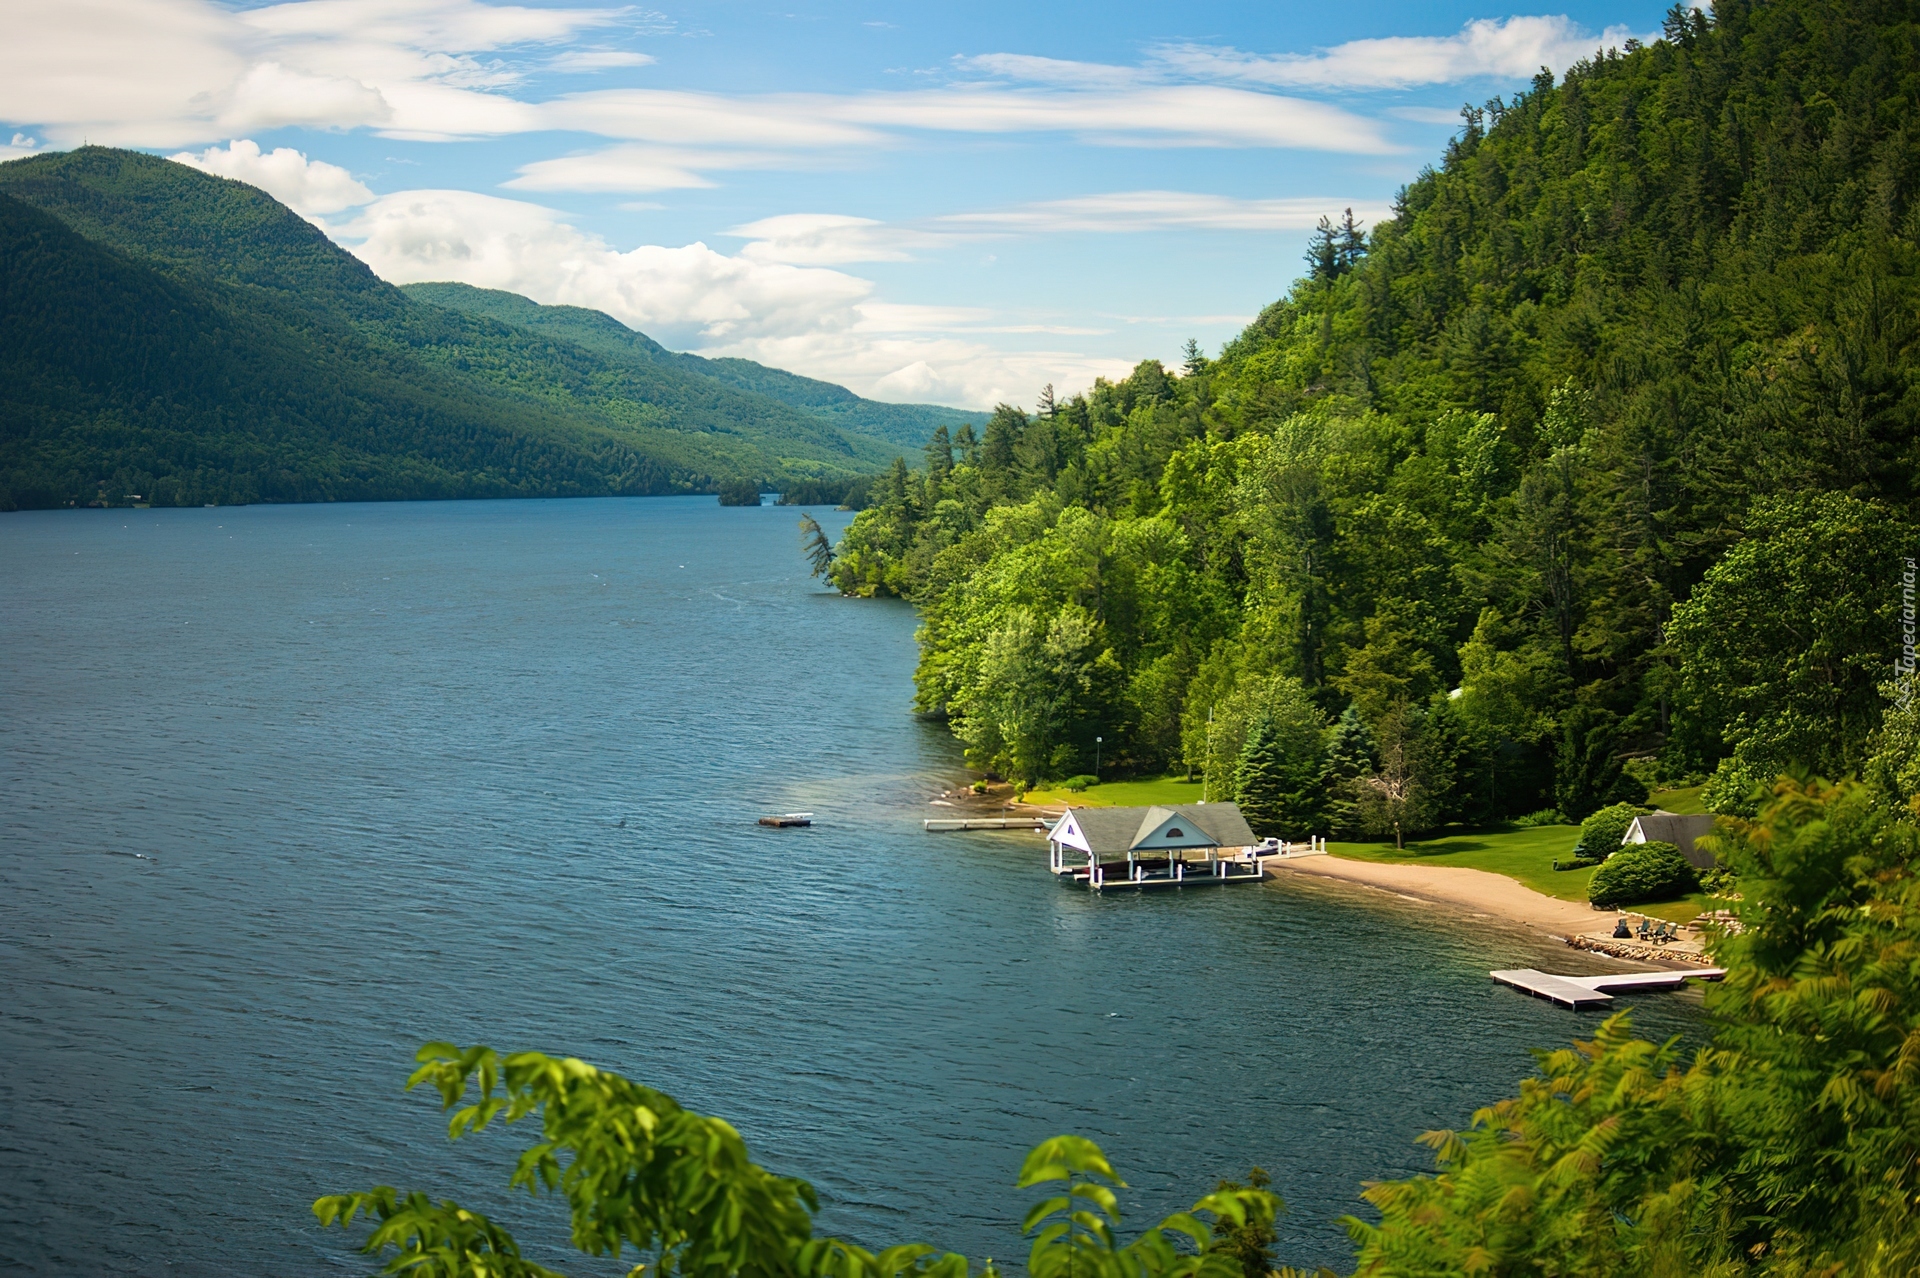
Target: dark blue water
[[291, 790]]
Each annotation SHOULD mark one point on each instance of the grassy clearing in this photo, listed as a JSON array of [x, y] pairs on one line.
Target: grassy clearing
[[1122, 794], [1685, 802], [1525, 856]]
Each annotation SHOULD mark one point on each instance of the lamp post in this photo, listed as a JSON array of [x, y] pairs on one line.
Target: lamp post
[[1096, 755]]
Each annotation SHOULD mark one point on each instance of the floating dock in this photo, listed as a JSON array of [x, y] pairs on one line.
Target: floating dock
[[788, 818], [940, 825], [1590, 991]]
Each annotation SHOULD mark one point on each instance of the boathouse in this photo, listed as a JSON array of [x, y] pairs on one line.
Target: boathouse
[[1158, 846], [1671, 827]]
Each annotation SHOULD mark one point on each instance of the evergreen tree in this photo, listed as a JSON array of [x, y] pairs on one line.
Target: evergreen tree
[[939, 452], [815, 544]]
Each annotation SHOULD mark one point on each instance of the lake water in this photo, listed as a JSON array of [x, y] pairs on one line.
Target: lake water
[[290, 790]]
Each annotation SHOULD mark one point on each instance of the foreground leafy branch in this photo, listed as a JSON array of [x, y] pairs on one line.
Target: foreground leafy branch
[[678, 1188]]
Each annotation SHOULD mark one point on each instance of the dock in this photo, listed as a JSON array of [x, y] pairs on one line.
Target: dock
[[1579, 992], [939, 825]]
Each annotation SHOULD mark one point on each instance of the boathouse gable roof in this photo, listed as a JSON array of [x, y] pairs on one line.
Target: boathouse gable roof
[[1672, 827], [1067, 832], [1118, 831]]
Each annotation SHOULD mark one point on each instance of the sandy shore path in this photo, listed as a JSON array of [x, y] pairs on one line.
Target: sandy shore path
[[1472, 891]]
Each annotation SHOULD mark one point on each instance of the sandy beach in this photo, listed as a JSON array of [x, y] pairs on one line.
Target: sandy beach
[[1477, 893]]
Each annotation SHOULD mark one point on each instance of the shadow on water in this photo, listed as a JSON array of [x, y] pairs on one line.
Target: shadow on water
[[294, 789]]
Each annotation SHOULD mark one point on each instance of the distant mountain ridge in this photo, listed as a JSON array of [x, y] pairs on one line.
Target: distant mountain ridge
[[189, 339], [909, 425]]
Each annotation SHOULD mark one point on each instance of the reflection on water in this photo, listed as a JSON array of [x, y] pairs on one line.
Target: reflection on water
[[294, 789]]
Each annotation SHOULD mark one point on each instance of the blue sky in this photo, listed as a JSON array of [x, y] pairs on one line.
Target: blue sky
[[949, 203]]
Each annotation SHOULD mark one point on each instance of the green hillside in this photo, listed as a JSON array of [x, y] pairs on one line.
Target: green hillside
[[905, 425], [311, 379], [1593, 466]]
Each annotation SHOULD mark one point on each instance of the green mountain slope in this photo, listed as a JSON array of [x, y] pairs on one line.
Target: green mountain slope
[[1603, 451], [905, 425], [315, 380], [116, 379]]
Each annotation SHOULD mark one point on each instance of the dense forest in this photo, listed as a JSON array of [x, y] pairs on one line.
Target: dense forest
[[182, 339], [1595, 466]]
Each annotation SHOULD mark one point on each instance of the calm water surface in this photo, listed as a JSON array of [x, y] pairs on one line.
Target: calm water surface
[[290, 790]]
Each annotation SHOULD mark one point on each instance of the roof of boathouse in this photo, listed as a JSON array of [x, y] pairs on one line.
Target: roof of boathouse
[[1117, 831], [1671, 827]]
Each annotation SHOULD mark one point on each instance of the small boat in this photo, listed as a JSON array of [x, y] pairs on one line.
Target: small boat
[[788, 818]]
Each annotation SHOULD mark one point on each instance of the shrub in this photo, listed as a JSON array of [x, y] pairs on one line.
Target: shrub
[[1079, 783], [1600, 834], [1652, 871], [1534, 820]]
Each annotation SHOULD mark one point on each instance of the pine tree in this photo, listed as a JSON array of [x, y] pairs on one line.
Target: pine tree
[[939, 452], [1260, 783], [813, 541], [1281, 778]]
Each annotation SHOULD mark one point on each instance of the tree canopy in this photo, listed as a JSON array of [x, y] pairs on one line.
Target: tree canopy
[[1592, 466]]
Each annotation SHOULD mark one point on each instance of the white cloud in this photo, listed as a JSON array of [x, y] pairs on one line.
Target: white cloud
[[21, 147], [308, 187], [272, 96], [1133, 211], [589, 60], [176, 72], [827, 239], [831, 239], [1034, 70], [1190, 115], [820, 322], [143, 72], [684, 292], [1511, 48], [640, 168], [676, 117], [460, 25]]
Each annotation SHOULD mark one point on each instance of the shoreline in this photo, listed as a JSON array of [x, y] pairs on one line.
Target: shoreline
[[1474, 894], [1484, 894]]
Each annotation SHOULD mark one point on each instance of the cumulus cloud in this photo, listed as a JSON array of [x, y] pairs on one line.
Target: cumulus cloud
[[308, 187], [1509, 48], [176, 72], [272, 96], [684, 292], [822, 322]]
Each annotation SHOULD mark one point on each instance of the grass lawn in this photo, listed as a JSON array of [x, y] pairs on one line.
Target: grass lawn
[[1685, 802], [1123, 794], [1523, 855]]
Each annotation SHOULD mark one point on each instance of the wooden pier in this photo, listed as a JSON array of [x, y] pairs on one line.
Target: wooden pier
[[1579, 992], [939, 825]]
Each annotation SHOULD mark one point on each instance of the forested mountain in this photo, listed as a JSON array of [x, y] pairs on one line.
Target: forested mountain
[[906, 425], [1593, 465], [189, 339]]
